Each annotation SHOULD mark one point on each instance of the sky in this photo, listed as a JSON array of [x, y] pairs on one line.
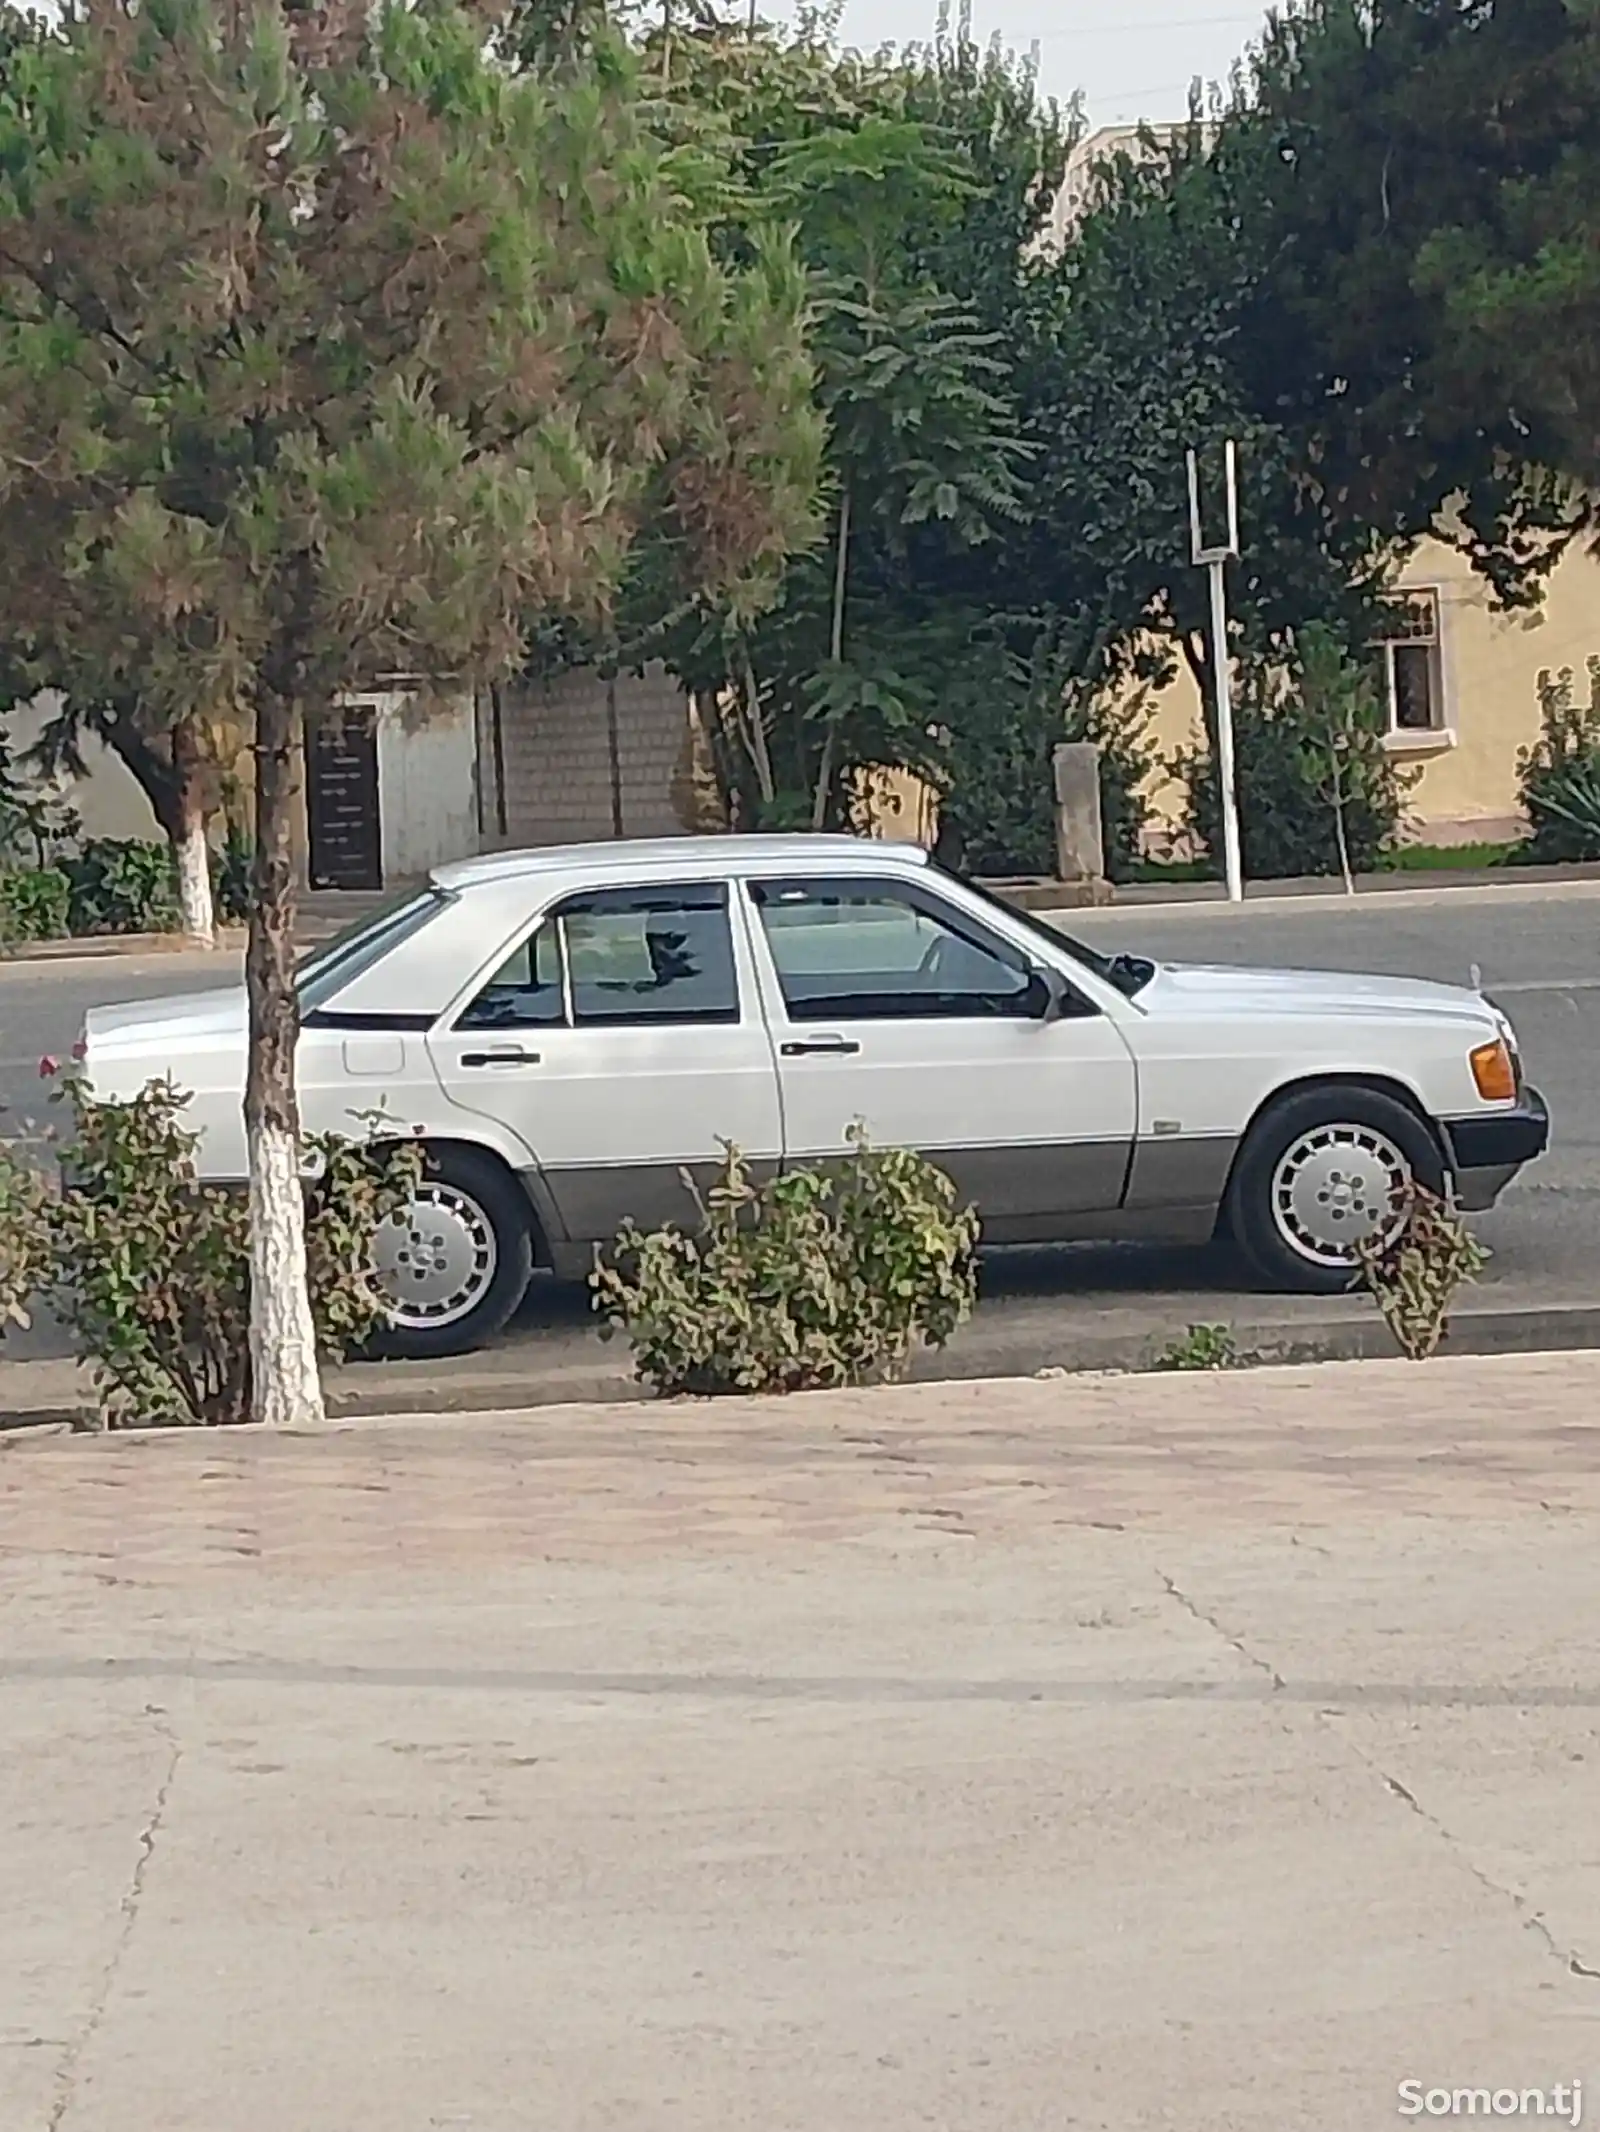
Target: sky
[[1133, 59]]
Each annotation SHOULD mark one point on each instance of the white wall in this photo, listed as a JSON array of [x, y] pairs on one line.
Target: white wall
[[109, 800], [427, 792]]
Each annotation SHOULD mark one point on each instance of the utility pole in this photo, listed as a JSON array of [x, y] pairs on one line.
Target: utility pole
[[1215, 560]]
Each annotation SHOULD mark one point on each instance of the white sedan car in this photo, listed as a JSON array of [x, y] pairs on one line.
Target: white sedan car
[[571, 1029]]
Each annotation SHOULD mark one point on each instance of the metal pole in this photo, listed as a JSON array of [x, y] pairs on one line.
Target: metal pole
[[1233, 862], [1215, 560]]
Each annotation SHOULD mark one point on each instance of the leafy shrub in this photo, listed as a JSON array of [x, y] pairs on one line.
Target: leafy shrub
[[816, 1278], [231, 862], [1559, 776], [147, 1267], [1414, 1276], [24, 1238], [997, 815], [1203, 1347], [33, 904], [122, 885], [1316, 786]]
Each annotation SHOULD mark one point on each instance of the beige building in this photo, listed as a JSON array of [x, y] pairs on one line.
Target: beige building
[[1461, 679]]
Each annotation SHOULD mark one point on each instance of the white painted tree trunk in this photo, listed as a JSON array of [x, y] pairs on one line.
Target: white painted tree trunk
[[283, 1343], [194, 884], [286, 1383]]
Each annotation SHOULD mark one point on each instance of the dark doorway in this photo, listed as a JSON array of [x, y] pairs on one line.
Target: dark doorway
[[342, 814]]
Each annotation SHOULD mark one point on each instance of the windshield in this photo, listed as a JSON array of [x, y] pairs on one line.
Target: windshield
[[325, 972], [1129, 973]]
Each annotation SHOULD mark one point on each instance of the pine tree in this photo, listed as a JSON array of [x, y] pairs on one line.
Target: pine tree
[[329, 346]]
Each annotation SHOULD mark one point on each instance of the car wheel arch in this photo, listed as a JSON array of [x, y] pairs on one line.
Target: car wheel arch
[[1375, 1084], [443, 1145]]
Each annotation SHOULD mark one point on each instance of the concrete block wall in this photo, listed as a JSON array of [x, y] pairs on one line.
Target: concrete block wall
[[571, 772]]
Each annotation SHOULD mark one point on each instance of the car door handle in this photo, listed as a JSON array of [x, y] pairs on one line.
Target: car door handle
[[833, 1047], [511, 1055]]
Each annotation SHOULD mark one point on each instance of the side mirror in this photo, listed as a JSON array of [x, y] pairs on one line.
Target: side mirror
[[1047, 995]]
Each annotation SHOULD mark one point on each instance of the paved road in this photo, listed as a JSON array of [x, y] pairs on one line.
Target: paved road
[[1539, 953], [1129, 1754]]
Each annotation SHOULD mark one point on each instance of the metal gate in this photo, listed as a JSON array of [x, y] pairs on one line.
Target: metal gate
[[343, 821]]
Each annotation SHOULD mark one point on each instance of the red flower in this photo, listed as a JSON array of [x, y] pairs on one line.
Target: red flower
[[80, 1049], [49, 1067]]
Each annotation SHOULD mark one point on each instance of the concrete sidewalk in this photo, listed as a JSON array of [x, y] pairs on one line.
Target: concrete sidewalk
[[1202, 1752]]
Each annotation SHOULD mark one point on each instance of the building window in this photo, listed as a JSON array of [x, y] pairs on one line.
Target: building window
[[1413, 670]]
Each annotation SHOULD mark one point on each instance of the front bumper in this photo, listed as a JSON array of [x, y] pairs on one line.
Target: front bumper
[[1487, 1152]]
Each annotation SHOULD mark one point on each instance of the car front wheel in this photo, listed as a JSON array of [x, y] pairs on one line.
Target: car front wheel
[[456, 1262], [1322, 1173]]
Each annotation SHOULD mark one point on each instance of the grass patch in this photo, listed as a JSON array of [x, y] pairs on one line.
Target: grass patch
[[1448, 858]]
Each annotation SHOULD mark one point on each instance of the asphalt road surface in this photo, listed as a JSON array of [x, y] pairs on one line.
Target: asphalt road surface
[[1539, 954]]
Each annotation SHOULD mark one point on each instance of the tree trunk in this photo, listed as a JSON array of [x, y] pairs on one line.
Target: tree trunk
[[830, 743], [286, 1383], [192, 852]]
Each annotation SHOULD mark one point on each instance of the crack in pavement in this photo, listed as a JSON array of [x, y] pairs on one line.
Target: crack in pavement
[[1198, 1613], [72, 2057], [1532, 1920]]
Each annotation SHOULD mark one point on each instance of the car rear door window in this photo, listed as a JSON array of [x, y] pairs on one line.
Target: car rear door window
[[861, 950], [626, 957], [650, 955]]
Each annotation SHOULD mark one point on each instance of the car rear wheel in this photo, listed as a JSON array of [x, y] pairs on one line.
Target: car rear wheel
[[1321, 1173], [456, 1262]]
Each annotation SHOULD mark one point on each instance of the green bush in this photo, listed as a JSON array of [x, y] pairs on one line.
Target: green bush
[[1559, 776], [122, 885], [147, 1267], [24, 1238], [231, 863], [1311, 766], [813, 1279], [1413, 1275], [33, 904], [997, 814]]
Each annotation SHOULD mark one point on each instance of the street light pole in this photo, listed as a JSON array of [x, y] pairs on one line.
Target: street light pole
[[1215, 561]]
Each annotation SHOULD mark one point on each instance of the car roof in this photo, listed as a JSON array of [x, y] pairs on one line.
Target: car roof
[[706, 856]]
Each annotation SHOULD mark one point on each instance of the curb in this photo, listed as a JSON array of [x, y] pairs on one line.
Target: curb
[[394, 1390], [106, 947], [1519, 884]]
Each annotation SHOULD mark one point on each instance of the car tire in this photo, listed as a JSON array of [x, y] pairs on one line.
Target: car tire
[[458, 1260], [1315, 1169]]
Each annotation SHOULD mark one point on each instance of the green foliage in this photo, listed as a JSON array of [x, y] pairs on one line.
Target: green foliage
[[35, 819], [33, 904], [1203, 1347], [1001, 714], [122, 885], [147, 1267], [1420, 180], [914, 184], [1415, 1273], [1318, 793], [815, 1279], [25, 1240], [1559, 776], [231, 864]]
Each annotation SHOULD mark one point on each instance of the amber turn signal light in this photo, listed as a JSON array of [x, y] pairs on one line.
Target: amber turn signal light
[[1494, 1072]]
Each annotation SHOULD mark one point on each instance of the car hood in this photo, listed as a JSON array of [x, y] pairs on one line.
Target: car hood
[[183, 1017], [1194, 988]]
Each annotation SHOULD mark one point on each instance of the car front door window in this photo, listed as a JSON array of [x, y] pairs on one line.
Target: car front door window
[[869, 951]]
